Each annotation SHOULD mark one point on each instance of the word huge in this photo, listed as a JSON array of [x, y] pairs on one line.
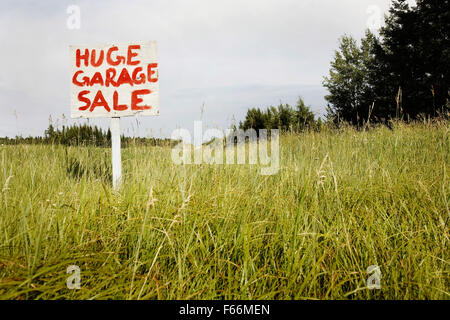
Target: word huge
[[114, 81]]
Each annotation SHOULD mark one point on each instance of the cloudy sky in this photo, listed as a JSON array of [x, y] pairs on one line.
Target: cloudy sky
[[226, 55]]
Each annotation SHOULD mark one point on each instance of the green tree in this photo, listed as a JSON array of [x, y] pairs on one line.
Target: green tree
[[403, 73], [304, 117], [284, 118], [410, 74], [255, 119], [348, 81]]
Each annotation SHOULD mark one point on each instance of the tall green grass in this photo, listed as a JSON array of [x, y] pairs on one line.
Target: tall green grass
[[342, 201]]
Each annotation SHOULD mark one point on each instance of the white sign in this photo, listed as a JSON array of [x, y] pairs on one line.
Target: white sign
[[114, 80]]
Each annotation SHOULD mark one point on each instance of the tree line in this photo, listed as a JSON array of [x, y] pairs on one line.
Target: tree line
[[284, 117], [83, 135]]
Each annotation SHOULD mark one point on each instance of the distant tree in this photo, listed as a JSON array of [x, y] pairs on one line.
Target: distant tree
[[255, 119], [284, 118], [304, 117], [348, 81], [50, 132]]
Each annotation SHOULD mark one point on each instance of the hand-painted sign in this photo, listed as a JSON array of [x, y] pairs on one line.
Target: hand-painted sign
[[114, 80]]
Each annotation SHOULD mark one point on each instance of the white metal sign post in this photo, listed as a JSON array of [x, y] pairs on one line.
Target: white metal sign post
[[114, 81], [116, 154]]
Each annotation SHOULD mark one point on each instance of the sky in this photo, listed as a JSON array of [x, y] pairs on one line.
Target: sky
[[216, 58]]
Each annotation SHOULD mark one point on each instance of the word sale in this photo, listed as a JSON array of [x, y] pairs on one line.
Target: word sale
[[100, 101]]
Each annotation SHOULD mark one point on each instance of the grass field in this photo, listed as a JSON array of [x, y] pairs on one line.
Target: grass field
[[341, 201]]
